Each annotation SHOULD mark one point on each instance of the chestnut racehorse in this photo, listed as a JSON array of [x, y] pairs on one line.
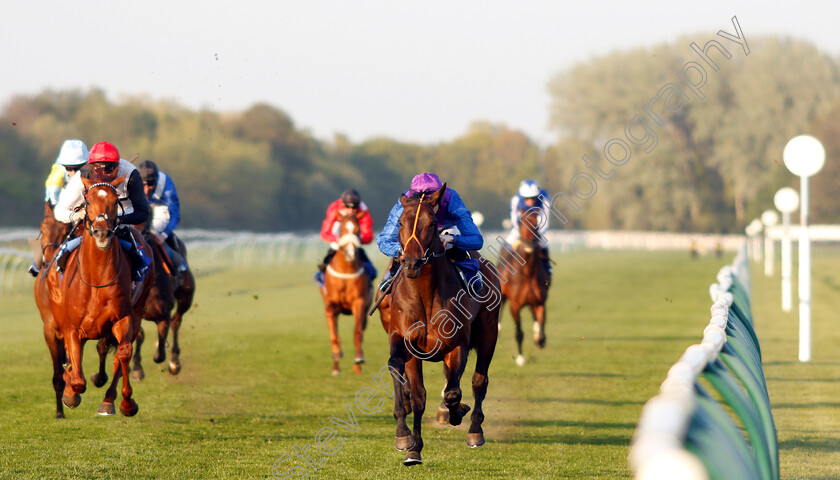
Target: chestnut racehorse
[[347, 290], [92, 300], [528, 284], [171, 289], [432, 318], [52, 234]]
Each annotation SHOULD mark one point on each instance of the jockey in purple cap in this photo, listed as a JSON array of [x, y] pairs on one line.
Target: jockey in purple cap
[[455, 224]]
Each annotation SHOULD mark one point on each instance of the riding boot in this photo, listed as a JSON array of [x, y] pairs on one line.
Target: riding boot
[[322, 267], [138, 259], [179, 261], [385, 285], [369, 268], [64, 253]]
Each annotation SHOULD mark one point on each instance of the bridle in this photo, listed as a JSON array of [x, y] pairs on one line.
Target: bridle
[[88, 223], [427, 253]]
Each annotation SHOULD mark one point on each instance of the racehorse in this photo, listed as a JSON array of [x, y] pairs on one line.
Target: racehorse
[[347, 290], [432, 318], [51, 234], [92, 299], [170, 289], [528, 284]]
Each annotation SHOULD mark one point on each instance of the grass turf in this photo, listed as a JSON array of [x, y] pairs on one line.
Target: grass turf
[[255, 384]]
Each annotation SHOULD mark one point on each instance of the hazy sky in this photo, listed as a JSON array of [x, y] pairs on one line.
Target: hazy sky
[[415, 71]]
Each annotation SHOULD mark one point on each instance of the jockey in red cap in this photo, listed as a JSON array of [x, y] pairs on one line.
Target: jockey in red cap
[[350, 202], [105, 165]]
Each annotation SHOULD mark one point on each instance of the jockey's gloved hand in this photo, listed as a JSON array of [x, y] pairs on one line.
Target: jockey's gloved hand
[[77, 216], [447, 239]]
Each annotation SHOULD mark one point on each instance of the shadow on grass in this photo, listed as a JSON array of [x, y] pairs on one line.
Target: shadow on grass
[[827, 445], [807, 405], [587, 375], [693, 338], [568, 439], [792, 363], [803, 380], [591, 401]]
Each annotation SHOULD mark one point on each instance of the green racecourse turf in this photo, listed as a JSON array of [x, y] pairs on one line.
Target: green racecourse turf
[[256, 382]]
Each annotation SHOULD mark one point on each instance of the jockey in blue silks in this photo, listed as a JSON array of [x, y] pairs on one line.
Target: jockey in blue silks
[[166, 210], [529, 196], [454, 220]]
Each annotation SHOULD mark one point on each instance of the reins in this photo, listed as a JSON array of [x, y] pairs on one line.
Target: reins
[[427, 254]]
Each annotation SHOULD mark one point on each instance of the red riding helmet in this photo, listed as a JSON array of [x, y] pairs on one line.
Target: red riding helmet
[[104, 152]]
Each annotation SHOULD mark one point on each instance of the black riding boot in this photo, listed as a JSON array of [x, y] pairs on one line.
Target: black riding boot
[[322, 267]]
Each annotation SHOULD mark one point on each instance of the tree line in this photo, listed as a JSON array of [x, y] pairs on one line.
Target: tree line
[[716, 165]]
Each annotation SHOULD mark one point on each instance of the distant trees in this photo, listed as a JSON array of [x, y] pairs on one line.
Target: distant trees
[[683, 164], [715, 156]]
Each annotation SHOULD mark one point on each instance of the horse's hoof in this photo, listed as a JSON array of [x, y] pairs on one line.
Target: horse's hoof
[[463, 409], [359, 360], [520, 360], [99, 380], [138, 374], [131, 410], [404, 443], [412, 458], [541, 343], [106, 409], [71, 402], [335, 372], [174, 367], [475, 440], [158, 358], [442, 416], [59, 414], [357, 369]]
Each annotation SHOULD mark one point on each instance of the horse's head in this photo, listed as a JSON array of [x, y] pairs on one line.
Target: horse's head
[[348, 234], [52, 232], [418, 230], [529, 224], [101, 201]]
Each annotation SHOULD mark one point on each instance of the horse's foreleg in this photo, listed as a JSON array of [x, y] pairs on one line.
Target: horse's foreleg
[[163, 331], [514, 311], [174, 361], [539, 325], [484, 341], [73, 377], [101, 377], [137, 372], [414, 373], [183, 296], [59, 356], [359, 314], [123, 334], [456, 362], [335, 342], [403, 440]]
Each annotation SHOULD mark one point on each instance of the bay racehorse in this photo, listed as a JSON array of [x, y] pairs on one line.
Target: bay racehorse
[[93, 299], [170, 289], [433, 318], [528, 284], [347, 290]]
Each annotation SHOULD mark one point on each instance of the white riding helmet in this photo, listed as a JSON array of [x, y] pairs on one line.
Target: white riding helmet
[[74, 154], [529, 189]]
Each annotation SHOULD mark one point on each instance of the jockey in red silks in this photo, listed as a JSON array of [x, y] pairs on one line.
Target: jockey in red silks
[[349, 203]]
